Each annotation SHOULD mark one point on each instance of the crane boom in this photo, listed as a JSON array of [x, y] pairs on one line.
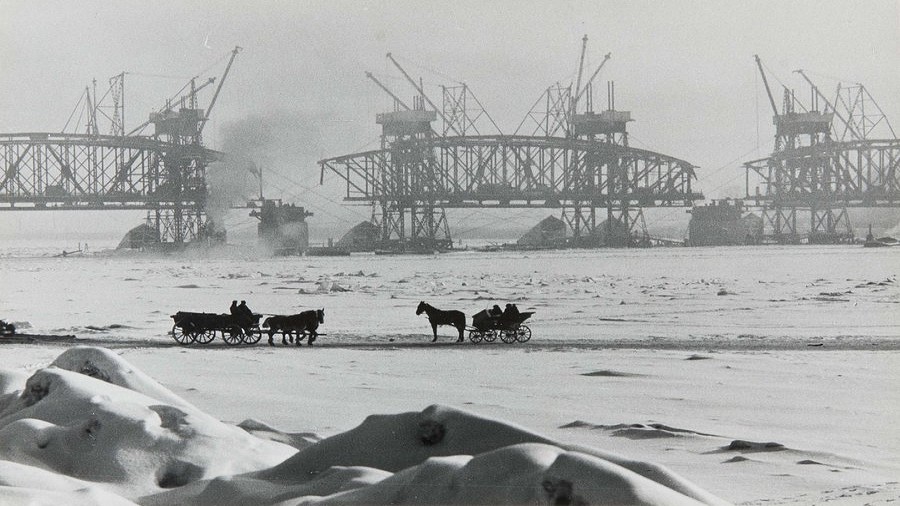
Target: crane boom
[[386, 90], [815, 88], [169, 107], [766, 83], [212, 102], [580, 70], [423, 95], [594, 75]]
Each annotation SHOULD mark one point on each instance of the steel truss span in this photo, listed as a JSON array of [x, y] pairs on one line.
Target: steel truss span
[[514, 171], [71, 171], [849, 174]]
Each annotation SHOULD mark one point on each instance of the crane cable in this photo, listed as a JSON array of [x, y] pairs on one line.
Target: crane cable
[[429, 69], [314, 193]]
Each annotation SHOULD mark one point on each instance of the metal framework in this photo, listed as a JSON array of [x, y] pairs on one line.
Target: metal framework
[[519, 172], [163, 173], [522, 171], [811, 176], [565, 159], [821, 182], [75, 171]]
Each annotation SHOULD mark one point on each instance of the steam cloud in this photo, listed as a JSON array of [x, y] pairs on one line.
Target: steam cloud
[[279, 141]]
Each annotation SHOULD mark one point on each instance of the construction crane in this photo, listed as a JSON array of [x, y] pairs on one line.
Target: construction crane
[[762, 73], [579, 90], [397, 100], [815, 174], [818, 94], [212, 102], [795, 129], [422, 94], [163, 173], [189, 98], [456, 115], [587, 85]]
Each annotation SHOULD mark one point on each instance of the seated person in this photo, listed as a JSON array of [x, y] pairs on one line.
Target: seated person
[[511, 312], [484, 319]]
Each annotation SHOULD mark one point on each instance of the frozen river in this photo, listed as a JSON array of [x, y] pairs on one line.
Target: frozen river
[[844, 296]]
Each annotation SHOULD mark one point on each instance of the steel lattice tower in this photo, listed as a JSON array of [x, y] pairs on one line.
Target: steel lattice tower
[[823, 162]]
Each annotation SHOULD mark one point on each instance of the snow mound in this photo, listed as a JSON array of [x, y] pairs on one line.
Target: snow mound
[[91, 429], [106, 365]]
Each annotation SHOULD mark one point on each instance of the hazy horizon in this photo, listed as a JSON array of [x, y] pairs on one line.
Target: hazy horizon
[[297, 92]]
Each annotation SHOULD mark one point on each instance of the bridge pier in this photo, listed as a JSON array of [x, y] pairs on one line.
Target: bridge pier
[[623, 227], [419, 226], [827, 224]]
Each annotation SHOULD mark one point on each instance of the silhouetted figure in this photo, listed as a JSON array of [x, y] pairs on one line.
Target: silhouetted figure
[[511, 312], [483, 320], [234, 308], [495, 311], [244, 311], [7, 329], [302, 324], [439, 317]]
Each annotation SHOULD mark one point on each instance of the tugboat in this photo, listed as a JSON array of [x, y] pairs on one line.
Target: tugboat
[[723, 223], [282, 226], [881, 242]]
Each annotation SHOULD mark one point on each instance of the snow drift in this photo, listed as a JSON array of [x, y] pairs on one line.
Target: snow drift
[[93, 429]]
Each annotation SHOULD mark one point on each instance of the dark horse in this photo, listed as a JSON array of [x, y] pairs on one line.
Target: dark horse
[[438, 317], [301, 323]]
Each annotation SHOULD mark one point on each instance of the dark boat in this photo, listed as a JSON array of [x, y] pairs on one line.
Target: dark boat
[[723, 223], [880, 242]]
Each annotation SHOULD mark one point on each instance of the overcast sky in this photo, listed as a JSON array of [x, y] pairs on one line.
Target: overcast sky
[[684, 69]]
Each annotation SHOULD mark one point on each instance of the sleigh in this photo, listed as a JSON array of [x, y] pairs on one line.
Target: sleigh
[[509, 328]]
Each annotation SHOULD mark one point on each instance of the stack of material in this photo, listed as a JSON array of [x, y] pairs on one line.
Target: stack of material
[[139, 237], [362, 237], [549, 232]]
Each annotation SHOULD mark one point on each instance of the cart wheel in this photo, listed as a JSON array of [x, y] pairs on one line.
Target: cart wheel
[[524, 334], [475, 336], [508, 336], [490, 336], [182, 335], [206, 336], [233, 335], [252, 336]]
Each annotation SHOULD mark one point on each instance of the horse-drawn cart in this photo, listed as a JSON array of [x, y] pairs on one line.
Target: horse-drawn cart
[[203, 327], [509, 328]]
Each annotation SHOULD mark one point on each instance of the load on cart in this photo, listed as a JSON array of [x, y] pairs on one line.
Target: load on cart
[[506, 324], [240, 325]]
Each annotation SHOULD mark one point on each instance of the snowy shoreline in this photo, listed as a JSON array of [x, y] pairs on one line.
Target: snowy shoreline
[[763, 376], [826, 421]]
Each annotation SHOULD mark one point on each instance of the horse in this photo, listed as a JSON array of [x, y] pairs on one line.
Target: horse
[[439, 317], [301, 323]]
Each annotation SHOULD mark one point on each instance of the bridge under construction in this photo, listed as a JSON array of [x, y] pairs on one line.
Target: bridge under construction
[[829, 155], [563, 155], [163, 172]]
